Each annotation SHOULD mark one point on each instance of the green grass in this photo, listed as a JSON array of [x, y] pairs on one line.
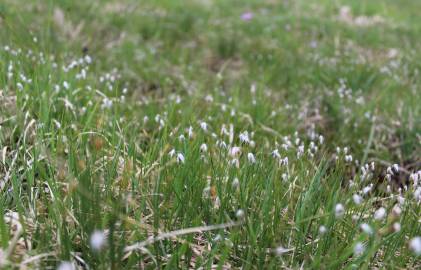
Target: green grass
[[120, 121]]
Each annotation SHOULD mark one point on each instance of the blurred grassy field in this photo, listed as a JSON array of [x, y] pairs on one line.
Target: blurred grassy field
[[164, 127]]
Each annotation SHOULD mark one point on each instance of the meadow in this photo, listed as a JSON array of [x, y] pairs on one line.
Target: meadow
[[201, 134]]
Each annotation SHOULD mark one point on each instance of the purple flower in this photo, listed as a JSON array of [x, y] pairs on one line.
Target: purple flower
[[247, 16]]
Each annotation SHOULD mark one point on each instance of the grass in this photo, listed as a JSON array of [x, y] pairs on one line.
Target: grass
[[175, 134]]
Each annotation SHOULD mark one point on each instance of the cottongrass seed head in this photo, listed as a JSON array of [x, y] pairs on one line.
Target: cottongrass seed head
[[339, 210], [415, 245], [359, 249], [97, 240], [65, 265]]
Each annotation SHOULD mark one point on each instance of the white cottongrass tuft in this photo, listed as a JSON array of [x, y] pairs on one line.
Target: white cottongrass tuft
[[366, 228], [65, 265], [283, 161], [380, 213], [321, 139], [275, 153], [97, 240], [244, 137], [415, 245], [66, 85], [180, 158], [235, 183], [204, 147], [235, 151], [357, 199], [322, 229], [395, 167], [348, 158], [417, 194], [240, 214], [367, 189], [396, 227], [284, 177], [251, 158], [339, 210], [359, 249], [396, 210], [204, 126], [281, 250]]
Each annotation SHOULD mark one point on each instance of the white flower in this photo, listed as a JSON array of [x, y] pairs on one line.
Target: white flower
[[235, 151], [221, 144], [88, 59], [244, 137], [97, 240], [180, 158], [359, 249], [417, 194], [380, 213], [414, 177], [209, 98], [204, 147], [235, 162], [106, 103], [395, 167], [366, 228], [367, 189], [300, 151], [275, 153], [348, 158], [284, 161], [235, 183], [206, 192], [217, 203], [396, 226], [190, 132], [251, 158], [321, 139], [65, 265], [204, 126], [240, 214], [397, 210], [339, 210], [322, 229], [66, 85], [415, 245], [281, 250], [284, 177], [357, 199], [312, 145]]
